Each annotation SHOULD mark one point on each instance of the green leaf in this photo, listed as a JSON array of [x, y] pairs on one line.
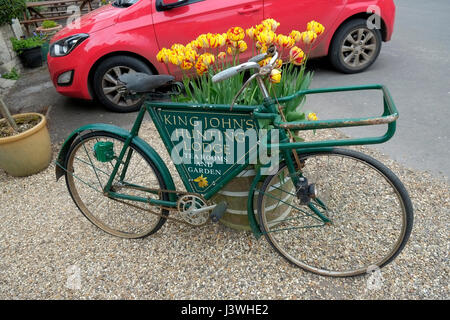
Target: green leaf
[[295, 116]]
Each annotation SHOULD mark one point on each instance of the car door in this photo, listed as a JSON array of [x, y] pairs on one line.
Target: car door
[[294, 15], [194, 17]]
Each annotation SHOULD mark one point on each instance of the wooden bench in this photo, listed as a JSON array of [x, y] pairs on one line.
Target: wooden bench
[[33, 16]]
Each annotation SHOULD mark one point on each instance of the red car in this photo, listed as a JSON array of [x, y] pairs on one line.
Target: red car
[[86, 59]]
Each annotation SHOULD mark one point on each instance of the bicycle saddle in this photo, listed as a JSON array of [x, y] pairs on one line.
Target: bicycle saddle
[[141, 82]]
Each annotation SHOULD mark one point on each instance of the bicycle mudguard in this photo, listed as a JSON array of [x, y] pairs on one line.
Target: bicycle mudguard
[[149, 151]]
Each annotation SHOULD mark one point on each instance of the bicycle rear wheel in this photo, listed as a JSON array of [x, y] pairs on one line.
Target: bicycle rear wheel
[[86, 178], [361, 217]]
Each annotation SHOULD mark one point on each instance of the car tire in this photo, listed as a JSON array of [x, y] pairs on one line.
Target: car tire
[[108, 92], [355, 47]]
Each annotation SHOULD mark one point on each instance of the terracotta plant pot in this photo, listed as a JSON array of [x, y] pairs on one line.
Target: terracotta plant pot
[[49, 30], [28, 152]]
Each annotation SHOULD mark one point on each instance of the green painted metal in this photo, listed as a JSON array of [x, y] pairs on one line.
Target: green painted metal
[[318, 213], [141, 199], [104, 151], [149, 151], [169, 117], [254, 226], [180, 119]]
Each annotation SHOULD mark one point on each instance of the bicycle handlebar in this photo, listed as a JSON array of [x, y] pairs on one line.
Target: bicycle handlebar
[[230, 72], [258, 57]]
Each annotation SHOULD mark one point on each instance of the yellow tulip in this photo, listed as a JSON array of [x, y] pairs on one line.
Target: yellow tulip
[[297, 56], [213, 41], [221, 39], [262, 47], [235, 34], [271, 24], [190, 55], [201, 68], [296, 35], [221, 56], [242, 45], [275, 76], [163, 55], [312, 116], [207, 58], [186, 64], [265, 62], [267, 37], [178, 47], [203, 40], [175, 58], [316, 27], [278, 64], [251, 33], [284, 42], [196, 44], [308, 37]]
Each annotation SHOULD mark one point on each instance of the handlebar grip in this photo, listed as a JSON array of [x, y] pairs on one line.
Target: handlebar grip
[[228, 73], [258, 57], [225, 74]]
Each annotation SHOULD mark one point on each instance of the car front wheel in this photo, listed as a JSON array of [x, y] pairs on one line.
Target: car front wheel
[[108, 89], [355, 47]]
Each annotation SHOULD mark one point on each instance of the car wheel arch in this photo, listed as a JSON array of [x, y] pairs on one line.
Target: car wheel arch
[[114, 54], [360, 15]]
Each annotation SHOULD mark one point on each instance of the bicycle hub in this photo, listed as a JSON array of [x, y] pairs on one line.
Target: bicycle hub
[[305, 192]]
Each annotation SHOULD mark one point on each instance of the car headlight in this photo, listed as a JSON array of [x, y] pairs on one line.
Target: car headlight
[[64, 46]]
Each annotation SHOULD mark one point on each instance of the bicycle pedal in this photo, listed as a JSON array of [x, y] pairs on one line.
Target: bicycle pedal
[[218, 212]]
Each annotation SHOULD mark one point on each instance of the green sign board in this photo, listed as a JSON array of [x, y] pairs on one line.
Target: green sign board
[[206, 146]]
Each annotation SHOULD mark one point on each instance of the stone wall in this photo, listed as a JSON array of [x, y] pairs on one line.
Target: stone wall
[[8, 58]]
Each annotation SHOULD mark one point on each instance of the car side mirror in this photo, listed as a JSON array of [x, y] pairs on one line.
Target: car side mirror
[[163, 5]]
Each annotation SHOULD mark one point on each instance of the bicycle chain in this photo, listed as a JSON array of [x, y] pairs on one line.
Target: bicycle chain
[[160, 191]]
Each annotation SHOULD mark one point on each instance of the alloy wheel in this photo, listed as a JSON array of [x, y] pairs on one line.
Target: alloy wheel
[[114, 90]]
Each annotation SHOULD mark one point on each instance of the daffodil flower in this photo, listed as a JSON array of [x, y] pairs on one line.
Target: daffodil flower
[[202, 181]]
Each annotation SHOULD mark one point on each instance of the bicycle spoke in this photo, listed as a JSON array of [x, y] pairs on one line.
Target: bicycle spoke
[[113, 216], [365, 212]]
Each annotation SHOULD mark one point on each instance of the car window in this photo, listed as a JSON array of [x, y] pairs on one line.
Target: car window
[[124, 3]]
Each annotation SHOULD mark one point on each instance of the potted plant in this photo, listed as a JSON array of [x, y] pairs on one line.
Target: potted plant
[[212, 53], [49, 28], [29, 50], [25, 146]]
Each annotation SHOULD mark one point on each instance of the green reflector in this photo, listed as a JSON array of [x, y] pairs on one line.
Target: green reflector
[[104, 151]]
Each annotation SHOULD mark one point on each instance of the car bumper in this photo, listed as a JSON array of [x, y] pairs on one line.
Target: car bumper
[[77, 87]]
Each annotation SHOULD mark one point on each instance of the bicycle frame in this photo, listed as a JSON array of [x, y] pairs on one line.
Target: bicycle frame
[[268, 110]]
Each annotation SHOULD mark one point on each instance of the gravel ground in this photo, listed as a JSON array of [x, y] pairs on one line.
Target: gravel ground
[[49, 250]]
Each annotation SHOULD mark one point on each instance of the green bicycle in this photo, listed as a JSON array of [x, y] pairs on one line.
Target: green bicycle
[[331, 211]]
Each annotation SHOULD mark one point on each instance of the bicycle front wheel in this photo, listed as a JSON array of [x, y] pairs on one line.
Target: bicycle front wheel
[[360, 218], [88, 171]]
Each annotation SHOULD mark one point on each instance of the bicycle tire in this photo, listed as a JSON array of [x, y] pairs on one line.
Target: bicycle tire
[[313, 263]]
